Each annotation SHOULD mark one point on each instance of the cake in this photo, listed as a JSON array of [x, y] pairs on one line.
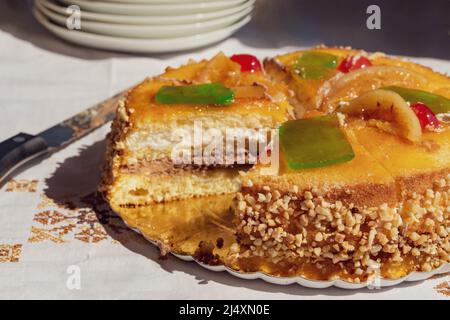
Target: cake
[[363, 178], [152, 120]]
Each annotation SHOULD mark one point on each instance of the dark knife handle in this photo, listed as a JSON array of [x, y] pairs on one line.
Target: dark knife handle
[[19, 149]]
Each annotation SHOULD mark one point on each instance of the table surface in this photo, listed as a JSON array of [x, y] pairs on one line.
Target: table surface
[[44, 81]]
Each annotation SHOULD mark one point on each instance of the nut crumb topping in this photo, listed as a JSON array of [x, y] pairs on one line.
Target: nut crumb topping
[[304, 228]]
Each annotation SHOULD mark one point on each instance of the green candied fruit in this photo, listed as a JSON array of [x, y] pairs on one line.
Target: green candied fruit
[[210, 94], [315, 142], [313, 65], [437, 103]]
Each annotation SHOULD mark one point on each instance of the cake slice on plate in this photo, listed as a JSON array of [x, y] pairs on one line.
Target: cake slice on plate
[[158, 146], [363, 179]]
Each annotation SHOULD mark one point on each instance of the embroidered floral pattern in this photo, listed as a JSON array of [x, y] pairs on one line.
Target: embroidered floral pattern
[[21, 185], [443, 288], [10, 252], [61, 223]]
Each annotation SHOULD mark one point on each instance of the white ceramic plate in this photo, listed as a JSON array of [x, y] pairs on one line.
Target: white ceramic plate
[[170, 9], [160, 1], [139, 45], [316, 284], [148, 19], [146, 32]]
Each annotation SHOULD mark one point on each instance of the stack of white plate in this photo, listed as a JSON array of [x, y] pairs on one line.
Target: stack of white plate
[[143, 26]]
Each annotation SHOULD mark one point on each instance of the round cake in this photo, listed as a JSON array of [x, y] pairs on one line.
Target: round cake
[[360, 185]]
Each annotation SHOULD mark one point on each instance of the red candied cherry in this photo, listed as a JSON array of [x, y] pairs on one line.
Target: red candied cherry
[[248, 62], [351, 63], [425, 115]]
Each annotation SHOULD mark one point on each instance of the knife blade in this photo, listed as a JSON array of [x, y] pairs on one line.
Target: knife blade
[[20, 149]]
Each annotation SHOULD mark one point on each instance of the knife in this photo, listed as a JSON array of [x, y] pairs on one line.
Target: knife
[[20, 149]]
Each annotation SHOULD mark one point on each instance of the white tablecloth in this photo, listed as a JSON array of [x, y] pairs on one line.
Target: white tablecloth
[[44, 246]]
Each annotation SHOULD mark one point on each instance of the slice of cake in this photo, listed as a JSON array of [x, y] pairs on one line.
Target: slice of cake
[[158, 146]]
